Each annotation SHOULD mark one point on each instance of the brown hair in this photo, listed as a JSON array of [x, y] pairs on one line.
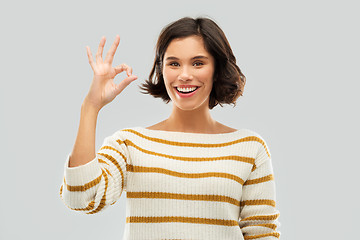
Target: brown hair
[[228, 80]]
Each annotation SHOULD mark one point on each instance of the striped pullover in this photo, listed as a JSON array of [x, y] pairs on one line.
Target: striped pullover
[[180, 185]]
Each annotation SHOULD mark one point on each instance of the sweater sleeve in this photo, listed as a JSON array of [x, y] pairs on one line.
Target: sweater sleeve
[[258, 215], [91, 187]]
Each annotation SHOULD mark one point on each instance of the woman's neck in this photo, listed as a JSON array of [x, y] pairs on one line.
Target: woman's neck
[[196, 121]]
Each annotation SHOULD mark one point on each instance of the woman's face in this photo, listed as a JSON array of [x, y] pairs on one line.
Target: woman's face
[[188, 73]]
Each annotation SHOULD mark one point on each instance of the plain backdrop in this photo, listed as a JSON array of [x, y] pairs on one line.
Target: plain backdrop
[[301, 60]]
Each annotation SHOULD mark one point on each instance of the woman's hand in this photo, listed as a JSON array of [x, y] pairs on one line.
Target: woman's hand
[[103, 89]]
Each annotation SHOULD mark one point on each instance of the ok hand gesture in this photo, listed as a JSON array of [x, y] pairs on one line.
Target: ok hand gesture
[[103, 89]]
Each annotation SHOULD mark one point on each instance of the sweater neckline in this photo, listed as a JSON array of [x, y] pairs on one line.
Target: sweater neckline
[[187, 133]]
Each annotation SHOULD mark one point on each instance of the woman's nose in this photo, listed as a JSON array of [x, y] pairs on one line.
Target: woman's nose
[[185, 74]]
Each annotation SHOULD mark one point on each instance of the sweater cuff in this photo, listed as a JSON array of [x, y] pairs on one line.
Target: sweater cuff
[[80, 175]]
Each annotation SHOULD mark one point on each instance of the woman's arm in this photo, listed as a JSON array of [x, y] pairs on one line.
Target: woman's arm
[[84, 147], [259, 216], [93, 181], [102, 91]]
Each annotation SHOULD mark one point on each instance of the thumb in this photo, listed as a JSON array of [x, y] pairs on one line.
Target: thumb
[[124, 83]]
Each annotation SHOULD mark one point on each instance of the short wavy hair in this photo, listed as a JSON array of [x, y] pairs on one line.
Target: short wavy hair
[[228, 80]]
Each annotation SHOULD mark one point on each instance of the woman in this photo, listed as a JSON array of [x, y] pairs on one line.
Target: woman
[[189, 176]]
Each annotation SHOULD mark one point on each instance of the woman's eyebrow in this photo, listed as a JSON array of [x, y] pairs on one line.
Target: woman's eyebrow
[[196, 57]]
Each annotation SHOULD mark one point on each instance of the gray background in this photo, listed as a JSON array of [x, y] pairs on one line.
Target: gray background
[[301, 60]]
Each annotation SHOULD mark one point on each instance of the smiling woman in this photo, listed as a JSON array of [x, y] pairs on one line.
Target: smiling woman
[[208, 39], [189, 176], [188, 78]]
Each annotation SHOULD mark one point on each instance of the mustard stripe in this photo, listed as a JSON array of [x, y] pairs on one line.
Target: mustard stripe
[[132, 168], [167, 219], [113, 160], [258, 202], [260, 180], [115, 150], [261, 218], [84, 187], [89, 207], [268, 225], [102, 161], [275, 234], [231, 157], [187, 144], [107, 171], [103, 199], [254, 167], [165, 195]]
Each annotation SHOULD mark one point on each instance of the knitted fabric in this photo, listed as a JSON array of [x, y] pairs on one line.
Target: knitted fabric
[[180, 185]]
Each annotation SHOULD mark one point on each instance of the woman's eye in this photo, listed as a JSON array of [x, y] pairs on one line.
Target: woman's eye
[[198, 63], [175, 64]]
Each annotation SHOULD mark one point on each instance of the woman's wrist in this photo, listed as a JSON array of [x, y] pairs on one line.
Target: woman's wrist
[[89, 106]]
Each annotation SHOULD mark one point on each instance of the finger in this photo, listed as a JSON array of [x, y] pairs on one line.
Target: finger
[[123, 67], [124, 83], [90, 57], [110, 55], [120, 68], [100, 49], [129, 71]]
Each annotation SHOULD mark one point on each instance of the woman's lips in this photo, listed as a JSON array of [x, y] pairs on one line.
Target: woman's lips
[[184, 95]]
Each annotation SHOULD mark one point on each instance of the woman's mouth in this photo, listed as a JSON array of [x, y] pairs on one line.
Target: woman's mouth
[[187, 91]]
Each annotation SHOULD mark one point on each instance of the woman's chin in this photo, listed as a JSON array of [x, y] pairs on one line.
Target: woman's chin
[[189, 106]]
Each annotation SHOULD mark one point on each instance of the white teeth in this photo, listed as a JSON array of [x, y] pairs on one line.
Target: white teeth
[[185, 89]]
